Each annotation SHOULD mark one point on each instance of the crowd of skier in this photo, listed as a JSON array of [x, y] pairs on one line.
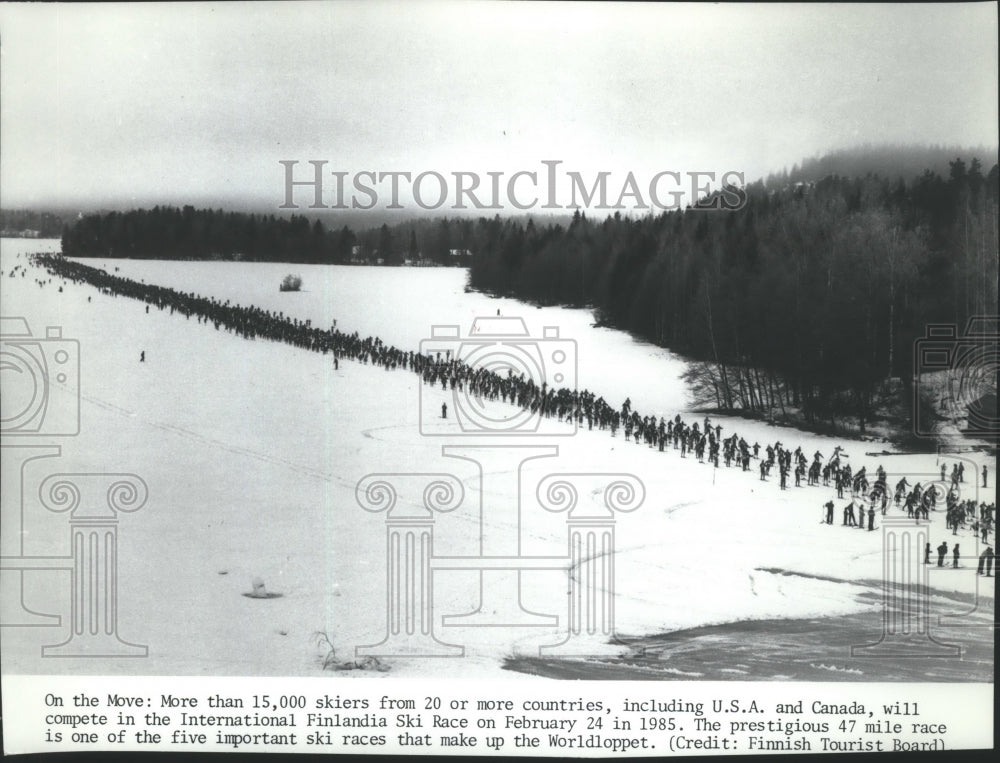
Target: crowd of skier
[[700, 440]]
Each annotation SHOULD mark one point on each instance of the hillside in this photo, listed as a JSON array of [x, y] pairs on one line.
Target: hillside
[[894, 162]]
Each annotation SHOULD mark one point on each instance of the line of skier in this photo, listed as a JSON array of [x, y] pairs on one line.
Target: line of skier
[[702, 440]]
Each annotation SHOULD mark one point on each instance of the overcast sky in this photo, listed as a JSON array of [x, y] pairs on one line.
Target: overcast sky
[[129, 104]]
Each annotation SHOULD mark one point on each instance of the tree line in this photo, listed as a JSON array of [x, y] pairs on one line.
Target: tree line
[[810, 296], [19, 221], [890, 161], [187, 233]]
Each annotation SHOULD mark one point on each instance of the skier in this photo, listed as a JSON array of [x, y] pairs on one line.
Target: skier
[[927, 553], [444, 410], [142, 356], [829, 512], [901, 489], [954, 556], [942, 550], [871, 518]]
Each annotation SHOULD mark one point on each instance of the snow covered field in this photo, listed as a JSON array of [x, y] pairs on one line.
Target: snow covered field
[[252, 451]]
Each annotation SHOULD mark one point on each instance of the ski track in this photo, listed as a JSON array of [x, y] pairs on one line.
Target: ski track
[[220, 445]]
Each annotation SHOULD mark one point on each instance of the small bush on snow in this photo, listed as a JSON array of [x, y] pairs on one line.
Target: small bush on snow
[[291, 282]]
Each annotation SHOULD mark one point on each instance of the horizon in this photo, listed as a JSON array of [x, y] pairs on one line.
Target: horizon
[[334, 218], [199, 104]]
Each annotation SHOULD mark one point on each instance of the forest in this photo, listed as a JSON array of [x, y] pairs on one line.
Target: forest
[[44, 224], [808, 298], [811, 296], [172, 233]]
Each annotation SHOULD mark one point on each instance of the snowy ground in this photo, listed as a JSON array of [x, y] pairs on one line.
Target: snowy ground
[[252, 452]]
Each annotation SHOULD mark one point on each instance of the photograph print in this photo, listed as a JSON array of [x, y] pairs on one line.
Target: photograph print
[[513, 342]]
